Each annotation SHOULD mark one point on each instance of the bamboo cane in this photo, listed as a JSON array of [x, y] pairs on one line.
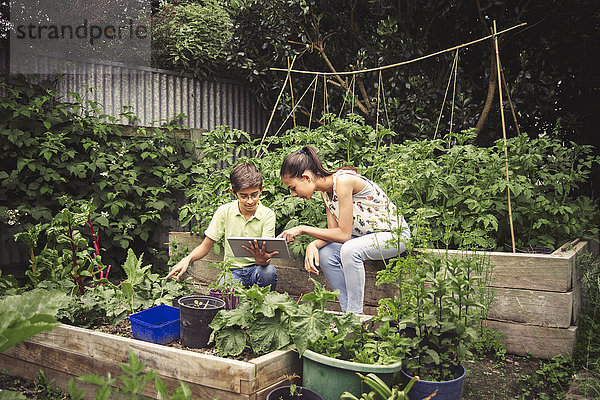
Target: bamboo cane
[[512, 231]]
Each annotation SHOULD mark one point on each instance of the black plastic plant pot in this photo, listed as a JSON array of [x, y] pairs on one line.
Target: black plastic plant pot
[[196, 313], [283, 393], [175, 301]]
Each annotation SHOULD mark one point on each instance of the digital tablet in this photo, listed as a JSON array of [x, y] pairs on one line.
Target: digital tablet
[[273, 244]]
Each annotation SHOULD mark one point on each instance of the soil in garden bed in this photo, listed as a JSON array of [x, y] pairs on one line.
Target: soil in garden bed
[[490, 379], [124, 329]]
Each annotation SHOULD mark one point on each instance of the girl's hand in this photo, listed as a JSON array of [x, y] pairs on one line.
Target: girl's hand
[[290, 234], [311, 258]]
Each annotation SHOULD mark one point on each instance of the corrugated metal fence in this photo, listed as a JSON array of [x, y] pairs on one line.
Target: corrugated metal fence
[[156, 95]]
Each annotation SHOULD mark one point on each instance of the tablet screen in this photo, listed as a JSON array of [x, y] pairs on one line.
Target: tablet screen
[[273, 244]]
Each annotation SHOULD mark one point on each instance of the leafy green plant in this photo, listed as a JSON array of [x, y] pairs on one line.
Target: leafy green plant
[[24, 315], [451, 182], [450, 188], [259, 322], [9, 285], [42, 388], [448, 306], [224, 282], [57, 151], [550, 381], [111, 303], [68, 262], [225, 285], [489, 344], [265, 321], [66, 253], [133, 384], [380, 390], [191, 37]]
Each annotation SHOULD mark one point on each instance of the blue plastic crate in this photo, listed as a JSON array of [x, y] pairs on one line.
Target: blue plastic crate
[[158, 324]]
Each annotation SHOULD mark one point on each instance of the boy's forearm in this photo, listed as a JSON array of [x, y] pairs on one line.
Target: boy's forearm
[[201, 250]]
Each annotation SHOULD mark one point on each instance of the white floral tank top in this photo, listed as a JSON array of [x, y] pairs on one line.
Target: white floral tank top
[[372, 210]]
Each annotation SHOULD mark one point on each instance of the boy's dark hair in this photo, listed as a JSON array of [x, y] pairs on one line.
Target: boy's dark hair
[[244, 176]]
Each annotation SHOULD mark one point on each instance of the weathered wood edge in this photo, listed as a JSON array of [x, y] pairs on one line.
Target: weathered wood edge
[[211, 371], [551, 309], [537, 341], [550, 272]]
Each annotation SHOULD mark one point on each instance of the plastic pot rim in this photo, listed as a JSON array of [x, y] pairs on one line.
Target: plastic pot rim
[[199, 297], [462, 376], [300, 387], [353, 366]]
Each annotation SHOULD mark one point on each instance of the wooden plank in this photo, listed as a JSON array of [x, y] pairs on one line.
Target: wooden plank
[[538, 341], [71, 352], [217, 372], [534, 307], [199, 391], [552, 272], [29, 370], [525, 271], [272, 367], [50, 357]]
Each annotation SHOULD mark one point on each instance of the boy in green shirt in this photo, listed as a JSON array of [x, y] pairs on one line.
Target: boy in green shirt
[[244, 217]]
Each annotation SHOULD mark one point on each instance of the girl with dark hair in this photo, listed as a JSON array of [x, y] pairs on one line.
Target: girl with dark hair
[[360, 224]]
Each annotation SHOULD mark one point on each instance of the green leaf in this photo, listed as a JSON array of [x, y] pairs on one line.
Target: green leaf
[[230, 342], [307, 325], [268, 334], [27, 314]]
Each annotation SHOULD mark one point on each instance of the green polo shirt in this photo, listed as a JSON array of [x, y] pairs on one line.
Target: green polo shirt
[[228, 221]]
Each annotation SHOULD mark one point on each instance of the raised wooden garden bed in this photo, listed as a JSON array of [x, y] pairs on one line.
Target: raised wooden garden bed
[[68, 352], [536, 296]]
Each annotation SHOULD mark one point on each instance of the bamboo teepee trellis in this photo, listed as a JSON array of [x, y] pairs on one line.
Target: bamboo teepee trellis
[[350, 91]]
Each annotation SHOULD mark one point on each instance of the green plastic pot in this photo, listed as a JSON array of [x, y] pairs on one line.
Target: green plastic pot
[[331, 377]]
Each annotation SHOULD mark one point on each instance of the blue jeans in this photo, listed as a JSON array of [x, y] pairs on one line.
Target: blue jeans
[[344, 268], [261, 275]]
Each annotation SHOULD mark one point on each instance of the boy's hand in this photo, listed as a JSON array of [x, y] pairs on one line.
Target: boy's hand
[[290, 234], [311, 259], [181, 267], [260, 252]]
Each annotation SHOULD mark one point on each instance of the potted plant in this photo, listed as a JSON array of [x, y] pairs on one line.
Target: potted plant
[[332, 359], [449, 302], [225, 285], [333, 346], [196, 314]]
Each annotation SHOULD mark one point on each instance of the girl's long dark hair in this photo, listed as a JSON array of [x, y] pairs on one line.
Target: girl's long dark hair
[[304, 159]]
